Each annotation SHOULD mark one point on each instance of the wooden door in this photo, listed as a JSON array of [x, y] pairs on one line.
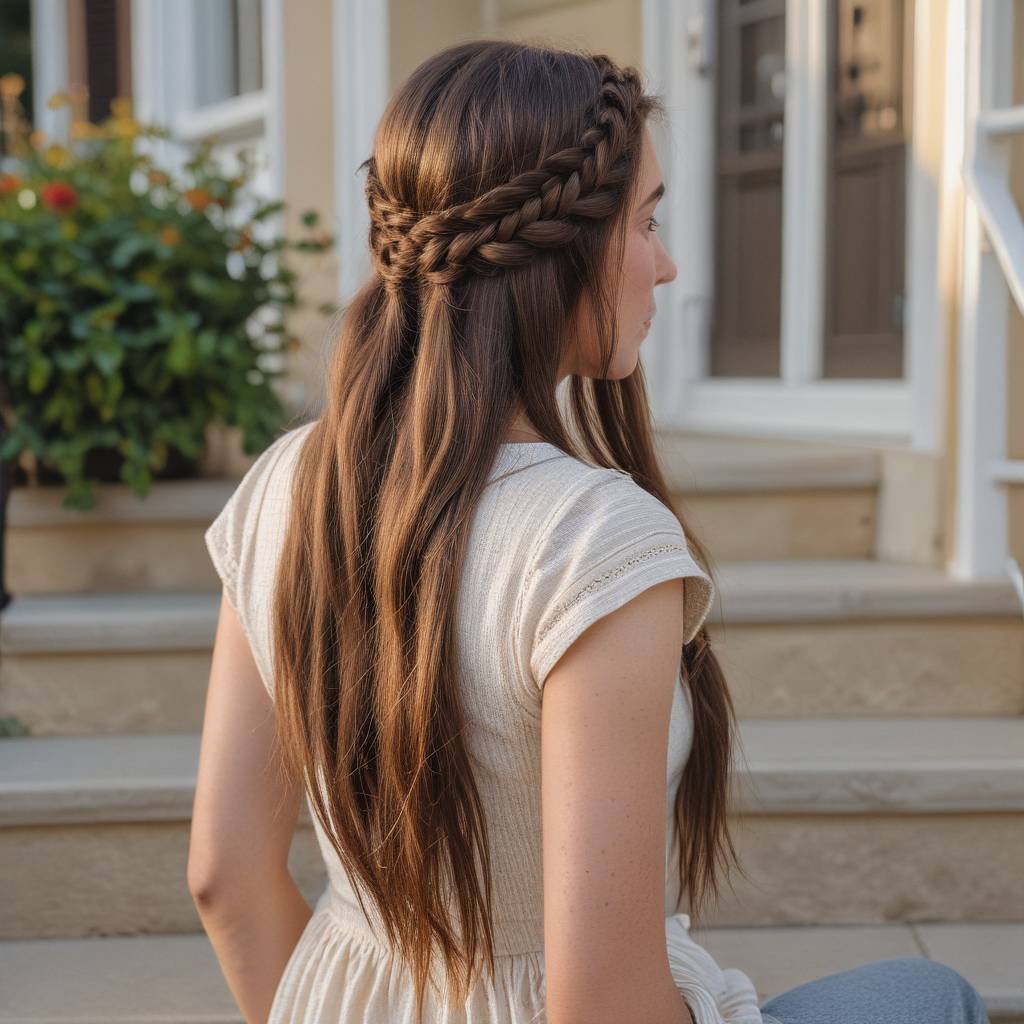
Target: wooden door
[[750, 97], [867, 151]]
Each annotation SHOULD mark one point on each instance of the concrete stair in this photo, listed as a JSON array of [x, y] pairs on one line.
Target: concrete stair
[[750, 500], [124, 543], [176, 978], [774, 499], [831, 637], [107, 663], [837, 822], [879, 803], [778, 959]]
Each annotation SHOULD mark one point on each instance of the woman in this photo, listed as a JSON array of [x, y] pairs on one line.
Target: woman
[[410, 573]]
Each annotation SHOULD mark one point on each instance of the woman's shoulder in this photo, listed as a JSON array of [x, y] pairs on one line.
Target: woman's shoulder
[[262, 491], [599, 501], [603, 541]]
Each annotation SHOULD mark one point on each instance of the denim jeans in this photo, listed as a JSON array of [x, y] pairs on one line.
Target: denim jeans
[[898, 990]]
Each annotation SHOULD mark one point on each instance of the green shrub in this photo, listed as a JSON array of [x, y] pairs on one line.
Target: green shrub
[[136, 307]]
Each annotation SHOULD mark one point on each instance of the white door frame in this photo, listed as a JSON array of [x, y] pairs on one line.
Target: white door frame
[[900, 412], [49, 27]]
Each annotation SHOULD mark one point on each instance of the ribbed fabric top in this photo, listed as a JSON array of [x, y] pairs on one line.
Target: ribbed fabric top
[[554, 544]]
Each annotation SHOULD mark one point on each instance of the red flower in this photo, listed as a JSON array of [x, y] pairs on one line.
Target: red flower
[[59, 195], [8, 183]]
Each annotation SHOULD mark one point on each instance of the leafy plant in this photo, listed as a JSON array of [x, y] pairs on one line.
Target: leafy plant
[[12, 726], [135, 306]]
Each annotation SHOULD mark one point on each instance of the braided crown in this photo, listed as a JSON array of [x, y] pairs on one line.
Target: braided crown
[[503, 227]]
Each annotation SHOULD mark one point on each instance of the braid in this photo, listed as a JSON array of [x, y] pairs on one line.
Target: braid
[[537, 209]]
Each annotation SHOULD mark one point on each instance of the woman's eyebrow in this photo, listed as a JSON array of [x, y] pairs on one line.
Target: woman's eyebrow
[[656, 194]]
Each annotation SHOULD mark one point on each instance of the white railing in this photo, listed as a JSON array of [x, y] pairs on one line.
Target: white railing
[[986, 174], [993, 270]]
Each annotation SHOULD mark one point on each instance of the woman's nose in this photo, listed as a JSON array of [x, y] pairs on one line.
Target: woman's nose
[[666, 267]]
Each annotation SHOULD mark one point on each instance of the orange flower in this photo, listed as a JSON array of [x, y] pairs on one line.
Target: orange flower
[[11, 85], [85, 130], [56, 156], [123, 127], [59, 196], [9, 183], [244, 241], [198, 198], [156, 177], [170, 236]]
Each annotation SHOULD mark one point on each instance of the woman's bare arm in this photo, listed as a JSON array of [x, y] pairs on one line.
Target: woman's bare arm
[[604, 749], [243, 822]]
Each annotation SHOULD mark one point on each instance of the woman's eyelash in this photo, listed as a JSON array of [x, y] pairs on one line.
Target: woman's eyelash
[[655, 223]]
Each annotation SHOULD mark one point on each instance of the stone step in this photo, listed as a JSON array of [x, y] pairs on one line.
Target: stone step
[[833, 637], [860, 637], [124, 543], [176, 979], [989, 956], [748, 499], [757, 498], [107, 663], [835, 821], [862, 821]]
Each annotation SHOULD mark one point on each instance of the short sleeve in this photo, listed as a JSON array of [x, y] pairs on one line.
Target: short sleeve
[[232, 541], [608, 541]]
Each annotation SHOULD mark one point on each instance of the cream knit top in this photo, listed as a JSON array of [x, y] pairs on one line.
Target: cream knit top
[[555, 543]]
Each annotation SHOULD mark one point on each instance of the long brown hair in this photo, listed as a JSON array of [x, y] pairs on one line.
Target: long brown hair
[[499, 186]]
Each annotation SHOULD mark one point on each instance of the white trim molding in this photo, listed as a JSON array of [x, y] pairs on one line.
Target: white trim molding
[[49, 22], [804, 181], [240, 117], [360, 47], [934, 195], [165, 82], [678, 343], [824, 410], [679, 57]]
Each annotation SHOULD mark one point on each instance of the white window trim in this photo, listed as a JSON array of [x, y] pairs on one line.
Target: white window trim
[[900, 411], [164, 85], [361, 49], [240, 117], [164, 81]]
